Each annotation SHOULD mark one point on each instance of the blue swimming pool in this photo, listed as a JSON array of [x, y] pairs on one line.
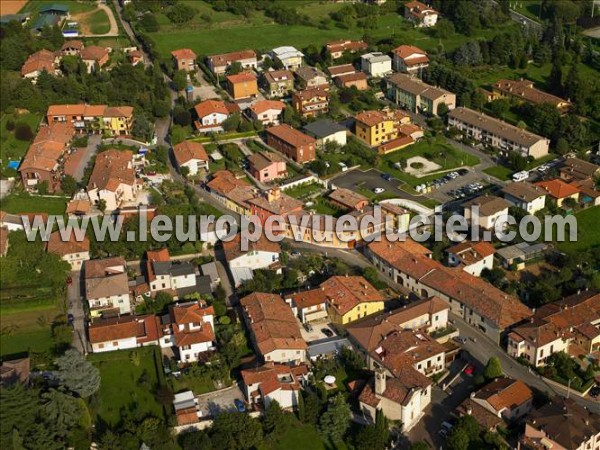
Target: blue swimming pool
[[14, 164]]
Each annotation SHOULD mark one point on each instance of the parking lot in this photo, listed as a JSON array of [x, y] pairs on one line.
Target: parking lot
[[220, 401], [316, 333], [370, 180]]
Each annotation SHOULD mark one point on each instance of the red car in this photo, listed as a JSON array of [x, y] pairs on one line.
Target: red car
[[469, 369], [69, 281]]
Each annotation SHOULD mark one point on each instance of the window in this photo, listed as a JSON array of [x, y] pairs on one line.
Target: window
[[101, 345], [115, 344]]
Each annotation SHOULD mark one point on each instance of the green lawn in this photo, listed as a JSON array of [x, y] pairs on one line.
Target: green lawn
[[301, 437], [198, 385], [11, 147], [303, 191], [23, 203], [31, 341], [98, 22], [587, 231], [75, 7], [500, 172], [121, 386]]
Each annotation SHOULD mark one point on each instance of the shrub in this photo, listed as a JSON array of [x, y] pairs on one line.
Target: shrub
[[10, 125], [23, 132]]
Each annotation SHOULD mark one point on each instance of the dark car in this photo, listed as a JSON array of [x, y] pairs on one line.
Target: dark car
[[70, 319], [386, 176], [327, 332], [462, 172], [595, 392], [239, 405]]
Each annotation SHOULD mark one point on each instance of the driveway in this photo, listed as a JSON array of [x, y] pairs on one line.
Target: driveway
[[217, 402], [316, 333], [76, 308], [371, 179], [82, 160]]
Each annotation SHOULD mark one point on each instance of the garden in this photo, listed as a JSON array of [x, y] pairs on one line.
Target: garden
[[565, 370]]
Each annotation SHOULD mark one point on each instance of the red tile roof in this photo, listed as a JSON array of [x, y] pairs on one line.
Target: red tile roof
[[264, 105], [228, 58], [39, 61], [188, 150], [346, 292], [313, 297], [233, 250], [242, 77], [59, 247], [112, 168], [94, 52], [558, 189], [290, 135], [183, 53], [207, 107]]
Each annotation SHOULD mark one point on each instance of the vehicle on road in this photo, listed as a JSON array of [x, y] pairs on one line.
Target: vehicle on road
[[343, 166], [295, 253], [70, 319], [69, 281], [378, 190], [327, 332], [520, 176], [308, 327], [386, 176], [469, 369], [239, 405], [461, 339], [595, 391]]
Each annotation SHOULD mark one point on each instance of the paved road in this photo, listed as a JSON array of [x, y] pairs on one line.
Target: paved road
[[129, 31], [90, 150], [76, 308], [484, 348], [371, 179]]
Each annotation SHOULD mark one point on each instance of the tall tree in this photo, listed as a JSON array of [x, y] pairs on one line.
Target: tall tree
[[335, 421], [493, 369], [77, 374]]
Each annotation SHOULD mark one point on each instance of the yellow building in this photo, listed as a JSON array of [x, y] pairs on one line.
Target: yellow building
[[118, 120], [378, 127], [351, 298]]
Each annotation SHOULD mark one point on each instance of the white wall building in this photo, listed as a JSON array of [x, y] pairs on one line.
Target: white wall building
[[376, 64]]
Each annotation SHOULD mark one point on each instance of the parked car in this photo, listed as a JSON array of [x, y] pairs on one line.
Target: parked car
[[469, 369], [308, 327], [70, 319], [386, 176], [327, 332], [461, 339], [239, 405], [595, 391], [69, 281], [378, 190]]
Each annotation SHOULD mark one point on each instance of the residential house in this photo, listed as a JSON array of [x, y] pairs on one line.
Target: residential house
[[350, 298], [356, 80], [278, 83], [15, 371], [497, 133], [472, 257], [337, 48], [162, 274], [267, 166], [571, 325], [192, 155], [311, 78], [210, 270], [485, 211], [309, 305], [561, 424], [93, 119], [325, 131], [289, 57], [280, 382], [234, 193], [218, 64], [242, 85], [135, 57], [526, 196], [376, 64], [38, 62], [559, 191], [575, 169], [420, 14], [72, 47], [274, 203], [588, 194], [506, 398], [187, 409], [262, 254], [73, 251], [416, 96], [292, 143], [384, 130], [113, 179], [519, 253], [402, 399], [12, 222], [410, 59], [212, 113], [524, 91], [106, 286], [344, 69], [479, 303], [94, 57], [267, 112], [310, 102], [274, 330], [44, 157], [348, 199], [184, 59], [123, 332]]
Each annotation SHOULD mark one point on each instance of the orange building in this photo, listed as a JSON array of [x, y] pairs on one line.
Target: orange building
[[242, 85]]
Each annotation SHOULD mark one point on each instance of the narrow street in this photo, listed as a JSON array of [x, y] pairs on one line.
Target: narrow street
[[75, 307]]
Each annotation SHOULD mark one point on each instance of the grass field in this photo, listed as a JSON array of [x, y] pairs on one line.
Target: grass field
[[23, 203], [587, 231], [75, 7], [500, 172], [35, 341], [11, 147], [120, 388], [98, 22]]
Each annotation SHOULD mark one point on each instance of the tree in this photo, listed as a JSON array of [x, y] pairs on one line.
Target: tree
[[493, 369], [23, 132], [569, 202], [180, 80], [335, 421], [77, 374], [420, 445], [194, 440], [68, 185], [18, 408], [562, 146], [102, 205], [181, 13], [42, 187], [61, 409], [458, 439], [149, 23], [276, 421], [235, 68], [555, 80], [185, 171], [235, 431], [312, 407]]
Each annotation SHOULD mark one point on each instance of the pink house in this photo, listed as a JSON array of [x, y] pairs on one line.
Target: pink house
[[267, 166]]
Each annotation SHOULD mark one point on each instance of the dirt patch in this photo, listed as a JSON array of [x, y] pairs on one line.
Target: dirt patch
[[531, 272], [11, 6], [82, 19]]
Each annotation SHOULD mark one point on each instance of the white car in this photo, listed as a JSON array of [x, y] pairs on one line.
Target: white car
[[378, 190]]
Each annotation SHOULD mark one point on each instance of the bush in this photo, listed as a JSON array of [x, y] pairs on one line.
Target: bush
[[10, 125], [181, 13], [23, 132]]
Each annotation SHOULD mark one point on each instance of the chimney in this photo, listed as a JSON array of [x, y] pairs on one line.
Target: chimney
[[380, 381]]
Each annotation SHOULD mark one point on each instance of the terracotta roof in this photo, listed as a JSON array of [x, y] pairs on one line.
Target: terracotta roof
[[524, 89], [347, 197], [505, 393], [186, 315], [399, 142], [264, 105], [113, 329], [417, 87], [399, 390], [75, 44], [346, 46], [118, 111], [524, 191], [112, 168], [207, 107], [369, 332], [404, 51], [183, 53], [309, 298], [242, 77], [272, 323], [226, 184], [341, 69], [48, 147], [153, 256], [275, 76], [260, 161], [233, 250], [472, 252], [579, 168], [310, 94], [94, 52], [290, 135], [188, 150], [100, 267], [488, 204], [371, 118], [350, 77], [281, 205], [59, 247], [486, 419], [274, 373], [419, 10], [38, 61], [225, 59], [346, 292], [105, 277], [557, 188], [187, 416]]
